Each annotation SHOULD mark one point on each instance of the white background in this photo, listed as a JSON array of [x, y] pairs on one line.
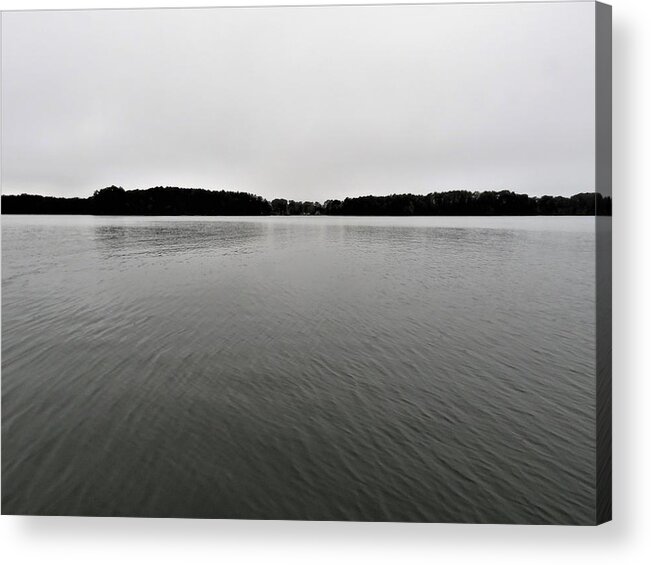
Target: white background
[[625, 540]]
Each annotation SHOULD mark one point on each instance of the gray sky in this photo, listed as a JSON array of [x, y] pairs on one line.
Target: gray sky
[[304, 103]]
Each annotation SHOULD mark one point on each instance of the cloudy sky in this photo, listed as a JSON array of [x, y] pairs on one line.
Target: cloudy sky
[[304, 103]]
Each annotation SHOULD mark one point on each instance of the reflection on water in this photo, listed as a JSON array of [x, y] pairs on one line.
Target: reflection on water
[[177, 237], [435, 369]]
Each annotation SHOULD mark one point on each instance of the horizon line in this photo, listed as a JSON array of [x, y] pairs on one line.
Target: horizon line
[[317, 201]]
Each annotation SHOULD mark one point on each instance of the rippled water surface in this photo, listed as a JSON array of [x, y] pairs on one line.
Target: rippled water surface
[[420, 369]]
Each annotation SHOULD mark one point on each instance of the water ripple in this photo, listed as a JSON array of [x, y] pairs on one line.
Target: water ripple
[[320, 368]]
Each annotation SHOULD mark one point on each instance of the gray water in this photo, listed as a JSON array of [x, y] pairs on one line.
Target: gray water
[[418, 369]]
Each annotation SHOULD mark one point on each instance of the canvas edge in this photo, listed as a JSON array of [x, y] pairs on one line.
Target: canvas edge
[[603, 186]]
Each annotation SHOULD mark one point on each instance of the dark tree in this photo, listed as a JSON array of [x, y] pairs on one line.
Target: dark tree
[[279, 207], [195, 201]]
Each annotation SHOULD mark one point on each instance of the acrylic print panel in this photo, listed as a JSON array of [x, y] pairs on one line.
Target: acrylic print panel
[[311, 263]]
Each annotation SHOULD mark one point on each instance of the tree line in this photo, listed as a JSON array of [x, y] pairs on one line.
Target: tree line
[[162, 201]]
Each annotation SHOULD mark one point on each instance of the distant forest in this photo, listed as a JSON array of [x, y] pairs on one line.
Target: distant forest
[[172, 201]]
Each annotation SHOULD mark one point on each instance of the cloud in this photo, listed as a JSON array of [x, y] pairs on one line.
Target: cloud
[[304, 103]]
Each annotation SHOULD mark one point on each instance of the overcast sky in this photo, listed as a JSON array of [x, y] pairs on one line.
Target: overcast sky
[[303, 103]]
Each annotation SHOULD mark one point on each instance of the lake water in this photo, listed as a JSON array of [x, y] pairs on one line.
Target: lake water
[[327, 368]]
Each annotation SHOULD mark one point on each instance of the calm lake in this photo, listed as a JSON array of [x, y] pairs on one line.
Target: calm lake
[[325, 368]]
